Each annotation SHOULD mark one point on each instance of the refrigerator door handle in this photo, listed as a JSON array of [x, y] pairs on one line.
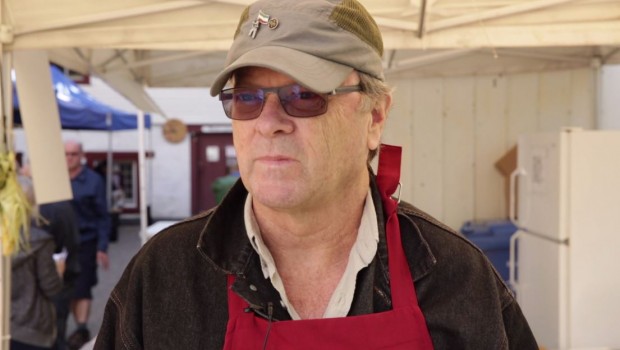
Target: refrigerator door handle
[[512, 262], [513, 196]]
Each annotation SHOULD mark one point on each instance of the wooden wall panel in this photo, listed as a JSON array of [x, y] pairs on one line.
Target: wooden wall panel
[[454, 129], [583, 91], [521, 106], [399, 129], [522, 117], [458, 143], [554, 101], [489, 144], [428, 148]]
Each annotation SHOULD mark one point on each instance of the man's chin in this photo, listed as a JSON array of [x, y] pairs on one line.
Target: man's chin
[[277, 197]]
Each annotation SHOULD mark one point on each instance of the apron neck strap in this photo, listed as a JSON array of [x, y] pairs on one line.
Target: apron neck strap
[[388, 176], [388, 173]]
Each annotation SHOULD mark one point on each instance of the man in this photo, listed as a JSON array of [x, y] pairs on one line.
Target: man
[[89, 204], [61, 223], [117, 197], [308, 250]]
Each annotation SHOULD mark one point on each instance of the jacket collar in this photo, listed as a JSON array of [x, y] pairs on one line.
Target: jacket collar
[[225, 244]]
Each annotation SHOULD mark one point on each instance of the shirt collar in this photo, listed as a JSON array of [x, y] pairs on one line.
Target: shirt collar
[[225, 244], [361, 255]]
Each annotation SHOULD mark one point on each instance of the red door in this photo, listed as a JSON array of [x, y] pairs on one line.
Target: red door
[[212, 153]]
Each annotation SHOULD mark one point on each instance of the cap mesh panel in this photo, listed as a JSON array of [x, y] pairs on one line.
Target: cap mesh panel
[[350, 15]]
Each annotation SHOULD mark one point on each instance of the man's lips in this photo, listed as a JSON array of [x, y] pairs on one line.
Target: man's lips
[[274, 159]]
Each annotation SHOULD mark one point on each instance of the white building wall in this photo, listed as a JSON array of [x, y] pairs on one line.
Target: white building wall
[[170, 178], [169, 171]]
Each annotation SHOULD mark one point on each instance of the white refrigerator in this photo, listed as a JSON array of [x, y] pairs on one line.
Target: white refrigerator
[[565, 257]]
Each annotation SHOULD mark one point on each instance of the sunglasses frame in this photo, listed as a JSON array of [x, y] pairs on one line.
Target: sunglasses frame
[[226, 96]]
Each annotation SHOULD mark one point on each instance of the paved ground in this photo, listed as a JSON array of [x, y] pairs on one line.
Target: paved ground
[[120, 253]]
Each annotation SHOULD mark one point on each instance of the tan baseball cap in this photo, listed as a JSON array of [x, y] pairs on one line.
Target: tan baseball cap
[[316, 42]]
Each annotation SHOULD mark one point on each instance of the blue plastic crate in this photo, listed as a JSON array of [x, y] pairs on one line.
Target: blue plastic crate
[[493, 238], [488, 227], [473, 228], [503, 228]]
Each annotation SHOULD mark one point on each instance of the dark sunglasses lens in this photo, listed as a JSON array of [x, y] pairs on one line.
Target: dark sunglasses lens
[[297, 101], [300, 102], [242, 104]]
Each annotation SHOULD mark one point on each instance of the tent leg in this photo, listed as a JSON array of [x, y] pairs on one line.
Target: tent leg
[[6, 145], [109, 165], [142, 176], [5, 295]]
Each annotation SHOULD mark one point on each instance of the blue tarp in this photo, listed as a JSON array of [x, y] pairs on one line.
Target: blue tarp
[[79, 110]]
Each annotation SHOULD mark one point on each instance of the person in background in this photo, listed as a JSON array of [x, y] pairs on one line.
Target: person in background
[[58, 219], [34, 282], [89, 205], [310, 250], [61, 223], [223, 184]]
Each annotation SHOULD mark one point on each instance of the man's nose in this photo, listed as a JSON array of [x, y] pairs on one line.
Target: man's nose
[[272, 100], [273, 119]]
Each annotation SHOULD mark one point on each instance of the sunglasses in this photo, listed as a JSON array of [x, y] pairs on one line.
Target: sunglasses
[[297, 101]]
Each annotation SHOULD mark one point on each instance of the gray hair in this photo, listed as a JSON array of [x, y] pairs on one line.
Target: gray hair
[[74, 142], [374, 91]]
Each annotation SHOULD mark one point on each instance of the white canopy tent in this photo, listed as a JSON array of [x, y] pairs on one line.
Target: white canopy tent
[[183, 42], [169, 43]]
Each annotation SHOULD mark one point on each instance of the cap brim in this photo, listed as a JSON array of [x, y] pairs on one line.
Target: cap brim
[[315, 73]]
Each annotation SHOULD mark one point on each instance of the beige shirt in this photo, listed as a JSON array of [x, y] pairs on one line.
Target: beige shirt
[[361, 255]]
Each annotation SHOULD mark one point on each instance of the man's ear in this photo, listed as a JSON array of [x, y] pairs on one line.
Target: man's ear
[[379, 115]]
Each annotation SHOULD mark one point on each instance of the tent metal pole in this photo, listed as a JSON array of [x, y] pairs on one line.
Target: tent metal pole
[[109, 166], [142, 176], [5, 294], [597, 75], [5, 280], [6, 108]]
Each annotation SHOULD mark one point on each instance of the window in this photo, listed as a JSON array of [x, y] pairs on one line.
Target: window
[[127, 174], [124, 175]]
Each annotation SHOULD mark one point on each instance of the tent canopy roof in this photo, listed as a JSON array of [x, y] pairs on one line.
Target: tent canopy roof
[[79, 110], [183, 42]]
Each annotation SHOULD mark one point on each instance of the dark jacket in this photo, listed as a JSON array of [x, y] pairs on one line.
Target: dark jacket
[[61, 224], [173, 293], [91, 208], [34, 281]]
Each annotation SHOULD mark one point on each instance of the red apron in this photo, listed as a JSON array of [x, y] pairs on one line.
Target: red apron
[[403, 327]]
